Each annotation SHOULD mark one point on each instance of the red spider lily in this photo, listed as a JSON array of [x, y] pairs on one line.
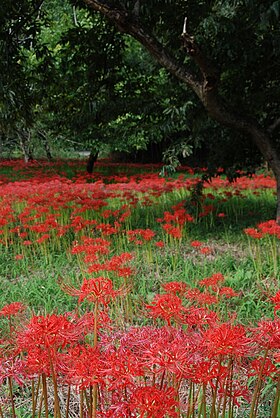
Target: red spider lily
[[201, 298], [120, 368], [91, 246], [227, 339], [262, 366], [174, 231], [199, 318], [159, 244], [228, 292], [171, 352], [206, 371], [213, 280], [50, 331], [97, 289], [196, 244], [253, 233], [19, 257], [12, 367], [270, 227], [276, 300], [152, 402], [175, 288], [82, 366], [43, 238], [106, 229], [145, 234], [167, 307], [205, 250], [267, 334], [12, 309]]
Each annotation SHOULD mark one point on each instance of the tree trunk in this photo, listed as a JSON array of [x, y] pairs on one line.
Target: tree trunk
[[46, 144], [24, 140], [91, 161]]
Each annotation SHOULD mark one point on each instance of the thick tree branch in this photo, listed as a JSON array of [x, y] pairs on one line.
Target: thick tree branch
[[127, 23]]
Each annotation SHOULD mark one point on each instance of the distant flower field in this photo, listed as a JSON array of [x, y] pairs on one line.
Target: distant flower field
[[128, 294]]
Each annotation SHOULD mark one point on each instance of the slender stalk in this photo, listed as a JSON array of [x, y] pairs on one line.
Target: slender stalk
[[202, 402], [190, 400], [55, 386], [276, 400], [95, 341], [214, 398], [228, 386], [45, 392], [256, 394], [41, 405], [90, 401], [12, 396], [33, 398]]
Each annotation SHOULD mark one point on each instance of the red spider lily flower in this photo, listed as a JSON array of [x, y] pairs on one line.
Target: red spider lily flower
[[167, 307], [221, 215], [276, 300], [199, 318], [159, 244], [12, 309], [213, 280], [205, 298], [120, 368], [13, 368], [206, 371], [171, 352], [262, 366], [125, 271], [228, 292], [82, 366], [227, 339], [270, 227], [97, 289], [172, 230], [175, 288], [27, 242], [145, 234], [19, 257], [267, 334], [50, 331], [151, 402], [205, 250], [196, 244], [253, 233], [43, 238]]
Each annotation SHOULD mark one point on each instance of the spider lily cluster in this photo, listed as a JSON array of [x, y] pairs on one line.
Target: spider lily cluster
[[178, 353]]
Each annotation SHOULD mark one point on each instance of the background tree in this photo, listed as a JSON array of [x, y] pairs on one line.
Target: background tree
[[230, 58]]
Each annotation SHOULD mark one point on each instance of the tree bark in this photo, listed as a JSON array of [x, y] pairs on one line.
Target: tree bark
[[91, 161], [205, 87], [46, 144], [24, 140]]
